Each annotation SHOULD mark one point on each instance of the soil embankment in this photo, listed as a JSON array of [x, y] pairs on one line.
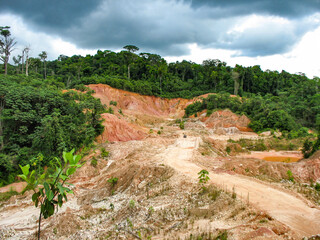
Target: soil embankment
[[134, 103]]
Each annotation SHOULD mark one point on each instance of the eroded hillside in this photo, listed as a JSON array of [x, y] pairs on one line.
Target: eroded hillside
[[158, 194]]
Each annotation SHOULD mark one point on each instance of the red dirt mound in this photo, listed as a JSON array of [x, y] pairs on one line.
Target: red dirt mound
[[133, 103], [226, 118], [116, 129]]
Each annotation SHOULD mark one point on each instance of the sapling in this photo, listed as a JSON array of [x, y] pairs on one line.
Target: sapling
[[49, 190], [203, 179]]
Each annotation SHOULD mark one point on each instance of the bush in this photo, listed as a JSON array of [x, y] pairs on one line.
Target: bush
[[94, 162], [114, 103], [104, 153]]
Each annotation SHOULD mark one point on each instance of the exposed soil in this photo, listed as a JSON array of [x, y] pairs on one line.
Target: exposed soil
[[158, 195], [276, 156]]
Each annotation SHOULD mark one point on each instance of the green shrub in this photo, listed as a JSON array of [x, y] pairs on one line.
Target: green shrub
[[290, 176], [114, 103], [181, 125], [94, 162], [104, 153], [113, 181], [110, 110]]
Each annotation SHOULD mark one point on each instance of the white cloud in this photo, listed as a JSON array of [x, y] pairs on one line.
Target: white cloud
[[304, 57], [38, 41]]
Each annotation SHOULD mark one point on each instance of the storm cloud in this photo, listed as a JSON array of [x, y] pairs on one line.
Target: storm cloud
[[251, 28]]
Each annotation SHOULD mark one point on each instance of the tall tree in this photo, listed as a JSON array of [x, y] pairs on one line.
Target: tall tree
[[6, 46], [130, 56], [43, 56], [17, 61], [26, 53]]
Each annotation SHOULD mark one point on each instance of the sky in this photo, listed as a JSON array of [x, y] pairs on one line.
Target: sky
[[275, 34]]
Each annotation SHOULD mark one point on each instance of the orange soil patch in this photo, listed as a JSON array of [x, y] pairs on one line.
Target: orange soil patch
[[273, 156], [282, 159], [133, 103], [117, 129]]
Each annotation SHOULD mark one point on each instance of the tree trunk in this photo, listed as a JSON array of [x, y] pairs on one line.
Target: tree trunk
[[39, 226], [128, 71], [27, 67], [45, 70], [1, 124], [5, 65]]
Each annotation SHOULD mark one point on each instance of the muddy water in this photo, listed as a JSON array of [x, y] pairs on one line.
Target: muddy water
[[285, 159]]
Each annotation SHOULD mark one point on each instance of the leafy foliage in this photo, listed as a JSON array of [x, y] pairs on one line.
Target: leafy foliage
[[49, 189], [37, 117], [203, 176]]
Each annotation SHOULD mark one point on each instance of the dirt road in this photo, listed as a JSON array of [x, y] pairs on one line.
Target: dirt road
[[282, 206]]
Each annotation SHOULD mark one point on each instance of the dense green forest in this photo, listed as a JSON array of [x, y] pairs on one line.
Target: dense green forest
[[38, 121]]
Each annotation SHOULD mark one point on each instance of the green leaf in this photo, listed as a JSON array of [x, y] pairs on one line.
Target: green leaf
[[63, 177], [71, 170], [65, 197], [68, 157], [64, 156], [25, 169], [23, 177], [77, 158], [49, 193], [50, 209], [61, 190], [35, 196], [41, 192], [60, 201]]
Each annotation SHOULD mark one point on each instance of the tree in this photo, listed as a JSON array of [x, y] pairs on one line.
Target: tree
[[130, 56], [6, 46], [17, 61], [26, 53], [43, 56], [49, 190]]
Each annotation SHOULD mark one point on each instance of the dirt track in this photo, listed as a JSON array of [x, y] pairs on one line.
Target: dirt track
[[284, 207]]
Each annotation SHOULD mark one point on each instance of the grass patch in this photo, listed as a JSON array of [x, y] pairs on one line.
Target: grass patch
[[7, 195]]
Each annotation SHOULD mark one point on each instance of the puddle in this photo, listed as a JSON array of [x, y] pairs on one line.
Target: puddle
[[285, 159]]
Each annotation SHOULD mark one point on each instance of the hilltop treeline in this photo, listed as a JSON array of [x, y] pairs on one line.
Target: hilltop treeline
[[150, 74]]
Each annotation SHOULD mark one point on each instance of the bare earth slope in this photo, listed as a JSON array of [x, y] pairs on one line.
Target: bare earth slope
[[285, 207], [158, 171]]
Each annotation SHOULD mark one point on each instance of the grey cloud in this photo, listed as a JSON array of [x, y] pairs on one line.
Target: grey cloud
[[284, 8], [166, 26]]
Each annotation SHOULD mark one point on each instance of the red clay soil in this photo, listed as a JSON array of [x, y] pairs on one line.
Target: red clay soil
[[135, 103], [226, 118], [117, 129], [18, 187]]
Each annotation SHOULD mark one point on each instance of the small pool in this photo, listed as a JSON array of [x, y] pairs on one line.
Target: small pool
[[285, 159]]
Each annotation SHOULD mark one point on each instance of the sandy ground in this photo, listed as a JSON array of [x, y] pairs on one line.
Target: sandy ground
[[297, 213]]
